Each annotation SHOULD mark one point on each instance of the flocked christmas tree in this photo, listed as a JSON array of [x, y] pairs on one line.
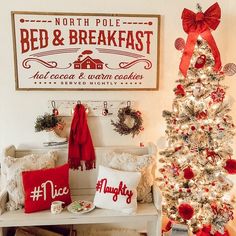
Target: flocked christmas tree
[[199, 129]]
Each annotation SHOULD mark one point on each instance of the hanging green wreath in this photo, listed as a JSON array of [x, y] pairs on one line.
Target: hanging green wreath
[[129, 122]]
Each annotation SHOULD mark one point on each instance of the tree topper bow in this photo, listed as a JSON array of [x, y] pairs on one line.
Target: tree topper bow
[[195, 24]]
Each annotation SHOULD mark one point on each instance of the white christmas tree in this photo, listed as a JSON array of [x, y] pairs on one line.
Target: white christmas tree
[[199, 130]]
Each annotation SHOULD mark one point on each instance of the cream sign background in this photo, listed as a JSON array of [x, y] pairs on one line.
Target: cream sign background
[[85, 51]]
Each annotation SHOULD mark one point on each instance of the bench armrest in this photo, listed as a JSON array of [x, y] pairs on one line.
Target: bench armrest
[[3, 201], [157, 197], [9, 151]]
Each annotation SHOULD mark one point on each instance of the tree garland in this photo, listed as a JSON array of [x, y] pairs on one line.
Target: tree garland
[[123, 128]]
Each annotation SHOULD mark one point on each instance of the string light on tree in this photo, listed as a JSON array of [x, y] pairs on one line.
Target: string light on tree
[[199, 129]]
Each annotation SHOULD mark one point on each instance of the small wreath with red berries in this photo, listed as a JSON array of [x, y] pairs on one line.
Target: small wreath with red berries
[[129, 122]]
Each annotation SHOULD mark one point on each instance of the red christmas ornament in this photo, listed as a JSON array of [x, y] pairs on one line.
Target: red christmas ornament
[[218, 95], [211, 154], [186, 211], [188, 173], [178, 148], [231, 166], [229, 69], [201, 61], [168, 226], [162, 170], [105, 112], [55, 112], [180, 90], [179, 44]]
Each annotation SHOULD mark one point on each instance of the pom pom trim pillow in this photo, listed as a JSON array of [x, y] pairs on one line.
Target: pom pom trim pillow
[[12, 168], [42, 187], [116, 190]]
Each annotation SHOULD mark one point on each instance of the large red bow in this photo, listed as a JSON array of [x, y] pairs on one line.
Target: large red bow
[[200, 24]]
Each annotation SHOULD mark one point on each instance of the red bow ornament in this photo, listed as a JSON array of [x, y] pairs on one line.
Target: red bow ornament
[[200, 24]]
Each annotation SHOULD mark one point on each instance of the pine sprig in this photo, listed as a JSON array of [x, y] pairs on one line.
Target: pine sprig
[[222, 109], [46, 122]]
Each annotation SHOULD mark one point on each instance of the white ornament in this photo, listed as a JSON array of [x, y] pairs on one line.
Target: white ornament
[[198, 89]]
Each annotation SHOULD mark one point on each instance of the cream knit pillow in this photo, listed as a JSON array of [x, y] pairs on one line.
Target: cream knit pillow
[[12, 169]]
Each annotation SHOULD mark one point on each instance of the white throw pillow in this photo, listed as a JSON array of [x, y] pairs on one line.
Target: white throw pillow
[[116, 190], [145, 164], [13, 167]]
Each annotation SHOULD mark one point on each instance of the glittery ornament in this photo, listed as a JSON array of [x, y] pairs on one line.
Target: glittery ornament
[[218, 95], [188, 173], [229, 69], [231, 166], [180, 90], [179, 44], [186, 211], [200, 62]]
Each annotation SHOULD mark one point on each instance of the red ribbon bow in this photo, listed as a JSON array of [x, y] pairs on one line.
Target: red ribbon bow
[[200, 24]]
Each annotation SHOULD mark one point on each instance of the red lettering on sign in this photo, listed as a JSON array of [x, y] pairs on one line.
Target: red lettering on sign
[[140, 40], [33, 39]]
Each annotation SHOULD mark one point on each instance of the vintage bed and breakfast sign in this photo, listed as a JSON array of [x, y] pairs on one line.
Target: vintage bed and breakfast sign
[[67, 51]]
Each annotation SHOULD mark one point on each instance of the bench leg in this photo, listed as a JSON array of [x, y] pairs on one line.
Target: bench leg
[[154, 228], [1, 231]]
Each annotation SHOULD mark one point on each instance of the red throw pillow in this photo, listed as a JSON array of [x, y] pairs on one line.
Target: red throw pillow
[[44, 186]]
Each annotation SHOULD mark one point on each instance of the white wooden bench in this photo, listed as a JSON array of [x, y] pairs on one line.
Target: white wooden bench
[[82, 186]]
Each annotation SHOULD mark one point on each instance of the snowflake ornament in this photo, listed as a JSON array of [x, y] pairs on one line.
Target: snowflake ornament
[[218, 95]]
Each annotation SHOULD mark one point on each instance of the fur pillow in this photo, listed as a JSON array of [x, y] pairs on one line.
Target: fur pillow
[[12, 169], [146, 164]]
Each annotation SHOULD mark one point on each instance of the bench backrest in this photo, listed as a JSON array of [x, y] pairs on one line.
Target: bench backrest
[[84, 182]]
